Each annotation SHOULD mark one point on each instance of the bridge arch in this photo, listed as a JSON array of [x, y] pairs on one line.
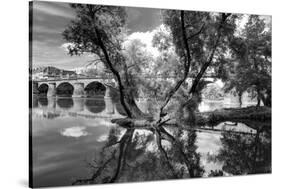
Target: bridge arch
[[64, 89], [95, 88], [43, 89]]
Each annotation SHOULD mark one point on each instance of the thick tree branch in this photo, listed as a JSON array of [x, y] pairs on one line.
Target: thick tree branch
[[180, 148], [187, 63], [164, 153], [125, 142], [120, 164], [115, 73]]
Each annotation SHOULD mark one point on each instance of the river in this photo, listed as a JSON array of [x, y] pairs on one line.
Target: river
[[69, 134]]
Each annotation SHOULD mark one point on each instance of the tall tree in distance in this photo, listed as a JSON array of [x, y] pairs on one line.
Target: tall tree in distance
[[252, 56]]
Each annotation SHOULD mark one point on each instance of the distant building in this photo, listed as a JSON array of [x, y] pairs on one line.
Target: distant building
[[50, 72]]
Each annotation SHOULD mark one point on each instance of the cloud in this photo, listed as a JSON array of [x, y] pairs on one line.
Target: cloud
[[102, 138], [146, 38], [75, 132], [65, 46]]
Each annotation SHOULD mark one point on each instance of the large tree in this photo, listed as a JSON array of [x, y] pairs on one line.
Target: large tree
[[100, 30], [199, 39]]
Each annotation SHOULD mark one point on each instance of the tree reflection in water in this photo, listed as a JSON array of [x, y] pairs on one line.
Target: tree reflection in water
[[144, 156], [167, 153], [245, 154]]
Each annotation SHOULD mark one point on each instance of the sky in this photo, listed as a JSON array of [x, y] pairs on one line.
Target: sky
[[51, 18]]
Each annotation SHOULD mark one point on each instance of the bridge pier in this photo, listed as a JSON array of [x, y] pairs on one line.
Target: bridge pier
[[78, 90], [107, 92], [51, 104], [109, 106], [52, 89], [78, 104], [35, 102], [35, 88]]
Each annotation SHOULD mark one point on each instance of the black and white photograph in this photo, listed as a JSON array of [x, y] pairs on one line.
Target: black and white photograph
[[122, 94]]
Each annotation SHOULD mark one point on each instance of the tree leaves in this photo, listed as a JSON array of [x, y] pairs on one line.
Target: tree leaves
[[251, 52]]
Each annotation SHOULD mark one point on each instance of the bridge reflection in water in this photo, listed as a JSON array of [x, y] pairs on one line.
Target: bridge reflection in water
[[102, 107], [79, 87]]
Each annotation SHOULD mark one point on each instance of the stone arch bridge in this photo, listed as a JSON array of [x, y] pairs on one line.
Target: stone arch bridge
[[79, 85]]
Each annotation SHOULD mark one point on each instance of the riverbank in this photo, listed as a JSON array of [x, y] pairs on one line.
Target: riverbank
[[258, 118], [255, 117]]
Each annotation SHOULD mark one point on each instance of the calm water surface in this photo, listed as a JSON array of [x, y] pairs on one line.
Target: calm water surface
[[68, 133]]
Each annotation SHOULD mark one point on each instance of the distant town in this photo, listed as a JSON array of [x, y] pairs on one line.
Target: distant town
[[51, 72]]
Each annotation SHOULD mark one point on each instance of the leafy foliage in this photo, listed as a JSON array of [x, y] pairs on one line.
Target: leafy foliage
[[251, 54], [202, 32], [81, 33], [245, 154]]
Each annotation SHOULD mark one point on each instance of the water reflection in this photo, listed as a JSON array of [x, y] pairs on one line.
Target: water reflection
[[35, 102], [43, 101], [228, 126], [73, 132], [244, 154], [127, 158], [64, 103], [78, 104], [174, 154], [83, 106], [95, 105]]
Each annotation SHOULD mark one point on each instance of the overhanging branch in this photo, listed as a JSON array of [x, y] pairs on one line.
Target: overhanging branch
[[210, 59]]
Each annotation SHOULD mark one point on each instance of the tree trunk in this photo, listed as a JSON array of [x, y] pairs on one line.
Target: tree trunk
[[240, 99], [134, 109], [259, 102], [115, 73]]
